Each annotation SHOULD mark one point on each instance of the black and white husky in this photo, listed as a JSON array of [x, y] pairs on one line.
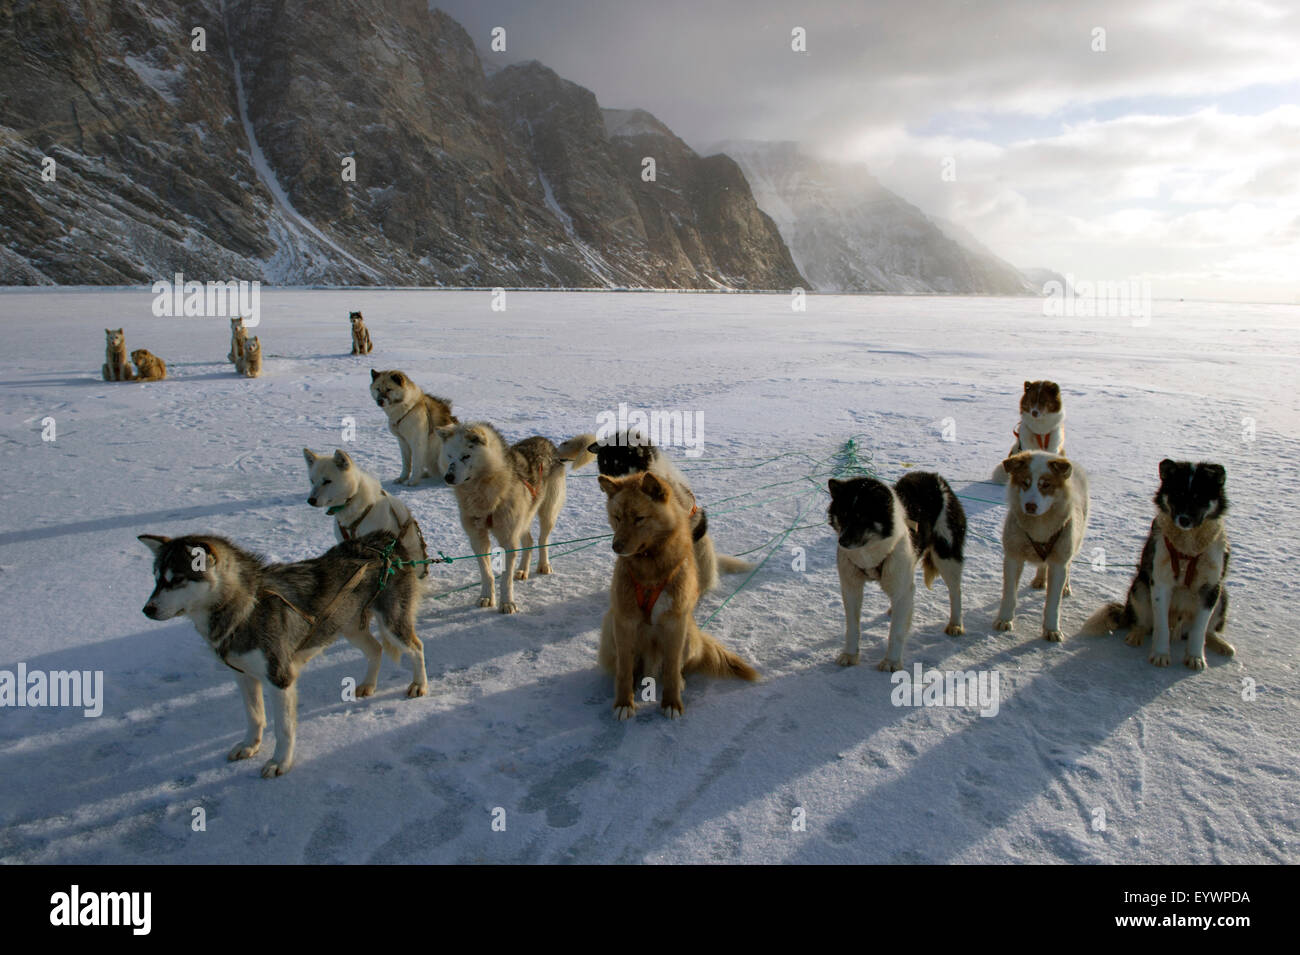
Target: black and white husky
[[265, 621], [630, 452], [883, 533], [1178, 588]]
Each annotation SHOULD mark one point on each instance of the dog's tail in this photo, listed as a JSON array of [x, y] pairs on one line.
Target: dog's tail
[[734, 565], [929, 569], [717, 660], [1106, 620], [577, 450]]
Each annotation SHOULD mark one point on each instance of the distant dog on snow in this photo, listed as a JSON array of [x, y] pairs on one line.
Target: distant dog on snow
[[250, 361], [148, 366], [1047, 516], [1178, 588], [1042, 423], [632, 453], [266, 621], [414, 419], [500, 488], [361, 506], [238, 335], [650, 629], [882, 533], [360, 335], [116, 365]]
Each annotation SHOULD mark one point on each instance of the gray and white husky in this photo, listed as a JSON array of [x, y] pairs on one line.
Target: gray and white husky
[[266, 621]]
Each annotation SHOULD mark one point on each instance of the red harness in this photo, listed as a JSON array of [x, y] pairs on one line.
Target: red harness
[[648, 595], [1043, 440], [1175, 556], [532, 490]]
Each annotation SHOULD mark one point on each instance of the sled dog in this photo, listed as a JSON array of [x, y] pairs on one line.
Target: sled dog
[[500, 488], [414, 419], [266, 621], [249, 363], [360, 335], [882, 534], [1042, 423], [148, 366], [116, 365], [238, 335], [649, 628]]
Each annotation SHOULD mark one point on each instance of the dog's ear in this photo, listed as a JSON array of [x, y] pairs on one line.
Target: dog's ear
[[1052, 388], [476, 436], [653, 488], [1016, 465], [835, 486], [1028, 385], [311, 456], [153, 541], [446, 431], [108, 331], [373, 374], [608, 485], [209, 558], [1168, 467], [342, 460], [1217, 473], [398, 377], [1060, 467]]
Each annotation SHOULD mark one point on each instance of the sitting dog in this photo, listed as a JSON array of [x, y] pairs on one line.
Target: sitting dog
[[360, 506], [414, 419], [1179, 588], [148, 366], [632, 453], [116, 366], [360, 335], [238, 335], [249, 363], [500, 488], [266, 621], [1047, 516], [882, 533], [649, 628], [1042, 423]]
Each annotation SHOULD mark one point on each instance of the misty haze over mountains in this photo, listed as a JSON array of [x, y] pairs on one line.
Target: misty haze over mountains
[[228, 162]]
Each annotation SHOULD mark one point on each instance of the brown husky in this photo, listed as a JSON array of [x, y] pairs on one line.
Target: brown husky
[[649, 629], [116, 368], [148, 366], [360, 335]]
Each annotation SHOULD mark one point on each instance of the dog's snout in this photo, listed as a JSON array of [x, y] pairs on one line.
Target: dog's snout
[[1031, 507], [311, 501], [1034, 413], [1184, 521], [449, 477], [151, 611]]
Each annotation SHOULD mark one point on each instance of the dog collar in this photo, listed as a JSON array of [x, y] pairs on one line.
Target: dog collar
[[1042, 440], [1044, 549], [647, 595]]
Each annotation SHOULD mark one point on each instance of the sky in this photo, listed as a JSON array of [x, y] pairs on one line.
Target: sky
[[1152, 139]]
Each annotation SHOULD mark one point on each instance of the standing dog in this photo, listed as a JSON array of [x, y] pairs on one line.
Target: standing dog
[[650, 629], [266, 621], [360, 335], [414, 419], [250, 359], [148, 366], [1178, 588], [500, 488], [882, 533], [116, 365], [1042, 423], [238, 335], [1047, 516], [361, 506], [631, 453]]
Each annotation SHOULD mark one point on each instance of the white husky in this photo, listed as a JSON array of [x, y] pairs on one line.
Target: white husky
[[360, 506]]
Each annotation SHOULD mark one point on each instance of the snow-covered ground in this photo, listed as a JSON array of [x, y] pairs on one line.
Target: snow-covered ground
[[1179, 766]]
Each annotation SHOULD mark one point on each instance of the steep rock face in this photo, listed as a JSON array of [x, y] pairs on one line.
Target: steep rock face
[[848, 233], [695, 226]]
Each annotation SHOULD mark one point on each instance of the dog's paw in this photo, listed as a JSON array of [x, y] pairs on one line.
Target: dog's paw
[[847, 659], [508, 606], [1159, 659], [411, 482], [889, 666], [521, 575], [1194, 663], [544, 568], [625, 711], [417, 689], [365, 689], [1038, 583], [1053, 636], [244, 751], [273, 769], [1134, 639], [1004, 624], [488, 601], [672, 709], [954, 630]]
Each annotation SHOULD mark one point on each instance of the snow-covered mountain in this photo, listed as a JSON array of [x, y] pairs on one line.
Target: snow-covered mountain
[[848, 233]]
